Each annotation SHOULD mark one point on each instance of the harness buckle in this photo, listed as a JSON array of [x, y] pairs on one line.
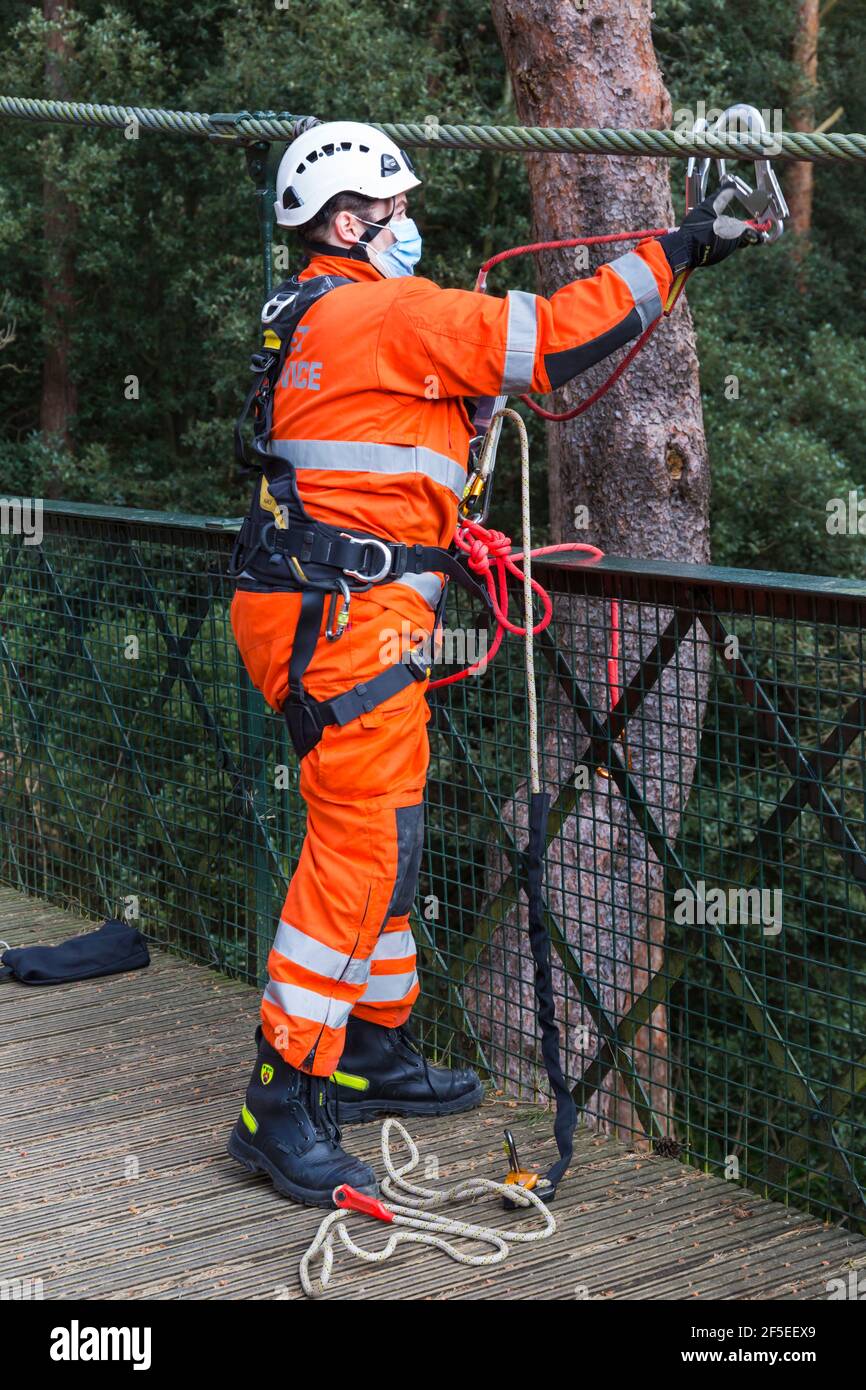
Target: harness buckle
[[262, 360], [418, 661], [265, 543], [387, 558]]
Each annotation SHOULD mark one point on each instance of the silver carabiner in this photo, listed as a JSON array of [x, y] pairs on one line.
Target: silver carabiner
[[765, 202], [338, 622]]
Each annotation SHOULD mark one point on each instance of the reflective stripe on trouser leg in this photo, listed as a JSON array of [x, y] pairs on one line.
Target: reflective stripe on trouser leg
[[357, 869], [393, 985]]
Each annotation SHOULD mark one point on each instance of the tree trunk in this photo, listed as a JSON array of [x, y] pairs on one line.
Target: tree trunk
[[800, 180], [638, 461], [59, 399]]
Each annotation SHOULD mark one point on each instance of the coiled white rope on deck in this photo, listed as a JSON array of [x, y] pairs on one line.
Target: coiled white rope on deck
[[413, 1211]]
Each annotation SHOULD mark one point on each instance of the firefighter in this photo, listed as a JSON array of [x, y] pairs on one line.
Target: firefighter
[[369, 421]]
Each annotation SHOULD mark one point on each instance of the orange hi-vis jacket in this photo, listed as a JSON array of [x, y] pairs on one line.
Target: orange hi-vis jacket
[[372, 412], [372, 406]]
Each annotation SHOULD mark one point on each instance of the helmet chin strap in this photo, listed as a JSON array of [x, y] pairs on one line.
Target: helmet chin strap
[[369, 234], [376, 227]]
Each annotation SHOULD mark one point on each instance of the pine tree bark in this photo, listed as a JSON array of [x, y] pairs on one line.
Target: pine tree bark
[[638, 460], [59, 401], [801, 176]]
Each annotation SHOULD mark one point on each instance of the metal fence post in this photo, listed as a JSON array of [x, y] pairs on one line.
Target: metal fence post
[[260, 166]]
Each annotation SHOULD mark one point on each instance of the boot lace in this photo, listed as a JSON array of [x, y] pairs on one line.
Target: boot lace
[[406, 1037], [324, 1108]]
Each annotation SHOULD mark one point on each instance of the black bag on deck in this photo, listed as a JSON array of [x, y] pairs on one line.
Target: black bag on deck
[[111, 949]]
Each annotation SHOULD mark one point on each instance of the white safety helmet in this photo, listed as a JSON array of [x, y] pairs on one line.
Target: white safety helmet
[[338, 157]]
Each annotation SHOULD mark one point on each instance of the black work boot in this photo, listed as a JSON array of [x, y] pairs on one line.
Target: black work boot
[[287, 1130], [382, 1072]]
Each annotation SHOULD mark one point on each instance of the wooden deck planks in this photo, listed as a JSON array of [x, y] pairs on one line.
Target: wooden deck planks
[[143, 1074]]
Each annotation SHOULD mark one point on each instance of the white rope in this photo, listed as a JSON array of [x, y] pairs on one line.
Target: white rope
[[413, 1210], [528, 619]]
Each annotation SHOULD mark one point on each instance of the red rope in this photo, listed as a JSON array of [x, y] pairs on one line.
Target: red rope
[[481, 281], [600, 391], [489, 553]]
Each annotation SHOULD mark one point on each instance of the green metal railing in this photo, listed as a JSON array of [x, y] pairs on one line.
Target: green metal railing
[[141, 775]]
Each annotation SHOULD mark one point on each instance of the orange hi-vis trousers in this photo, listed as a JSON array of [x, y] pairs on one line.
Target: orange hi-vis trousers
[[344, 944]]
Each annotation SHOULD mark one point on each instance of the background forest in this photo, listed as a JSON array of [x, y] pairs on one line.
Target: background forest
[[165, 279]]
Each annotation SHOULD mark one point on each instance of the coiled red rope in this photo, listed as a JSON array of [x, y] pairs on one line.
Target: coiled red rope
[[490, 556]]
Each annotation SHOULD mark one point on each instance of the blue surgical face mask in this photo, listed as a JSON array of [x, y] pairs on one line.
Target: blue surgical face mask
[[404, 255]]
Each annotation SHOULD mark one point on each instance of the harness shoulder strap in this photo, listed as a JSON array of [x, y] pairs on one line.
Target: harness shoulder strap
[[280, 317]]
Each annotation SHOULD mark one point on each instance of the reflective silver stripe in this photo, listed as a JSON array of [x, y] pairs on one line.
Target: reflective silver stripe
[[305, 1003], [394, 945], [642, 283], [361, 457], [428, 585], [301, 949], [520, 343], [388, 989]]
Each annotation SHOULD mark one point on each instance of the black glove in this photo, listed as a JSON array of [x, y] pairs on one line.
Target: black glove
[[707, 235]]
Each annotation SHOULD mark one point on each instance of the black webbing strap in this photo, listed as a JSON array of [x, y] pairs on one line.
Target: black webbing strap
[[317, 544], [306, 636], [539, 943], [307, 719]]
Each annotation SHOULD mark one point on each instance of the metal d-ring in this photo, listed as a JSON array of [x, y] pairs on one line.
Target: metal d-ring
[[386, 557]]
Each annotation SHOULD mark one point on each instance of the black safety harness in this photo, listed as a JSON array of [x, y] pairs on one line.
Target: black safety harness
[[300, 553]]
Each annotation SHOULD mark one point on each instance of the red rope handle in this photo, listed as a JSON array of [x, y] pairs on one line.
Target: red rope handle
[[607, 239], [600, 391], [645, 235]]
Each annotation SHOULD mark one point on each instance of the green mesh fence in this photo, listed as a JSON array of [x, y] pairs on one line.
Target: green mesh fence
[[705, 870]]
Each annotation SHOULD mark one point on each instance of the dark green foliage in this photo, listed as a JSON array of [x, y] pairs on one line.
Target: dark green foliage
[[168, 265]]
